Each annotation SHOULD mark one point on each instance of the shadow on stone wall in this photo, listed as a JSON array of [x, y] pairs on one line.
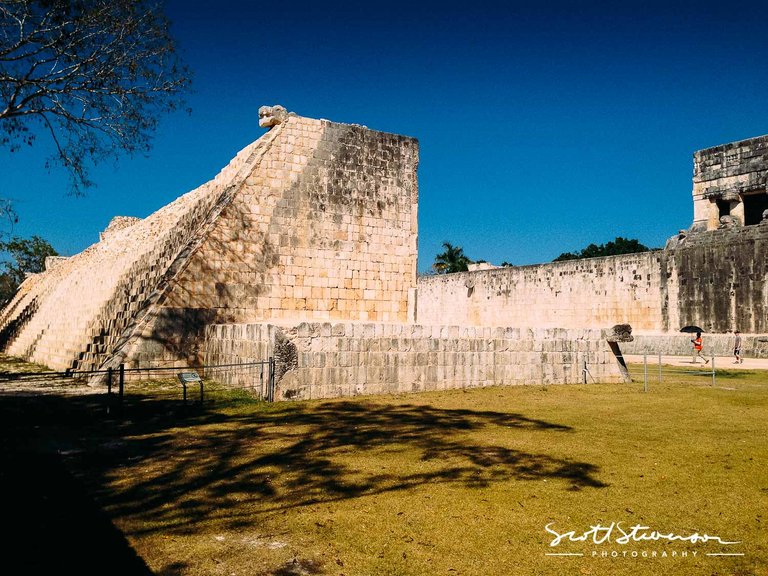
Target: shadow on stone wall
[[16, 324], [177, 334]]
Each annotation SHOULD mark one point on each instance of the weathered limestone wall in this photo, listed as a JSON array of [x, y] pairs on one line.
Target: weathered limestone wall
[[715, 280], [325, 360], [77, 313], [727, 174], [325, 228], [573, 294], [53, 261], [317, 222], [117, 223]]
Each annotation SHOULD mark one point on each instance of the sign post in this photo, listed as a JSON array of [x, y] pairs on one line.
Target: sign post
[[190, 378]]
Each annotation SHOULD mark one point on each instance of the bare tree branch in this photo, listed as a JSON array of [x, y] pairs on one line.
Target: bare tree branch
[[94, 74]]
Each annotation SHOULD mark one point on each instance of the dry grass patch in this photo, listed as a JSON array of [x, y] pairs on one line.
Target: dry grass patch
[[459, 482]]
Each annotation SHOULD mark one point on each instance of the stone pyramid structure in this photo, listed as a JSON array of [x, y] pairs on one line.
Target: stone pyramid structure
[[313, 221]]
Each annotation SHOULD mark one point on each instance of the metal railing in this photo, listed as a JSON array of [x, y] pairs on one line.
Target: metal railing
[[652, 369], [257, 379]]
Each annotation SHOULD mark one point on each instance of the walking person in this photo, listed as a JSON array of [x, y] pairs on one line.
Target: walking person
[[697, 349], [737, 347]]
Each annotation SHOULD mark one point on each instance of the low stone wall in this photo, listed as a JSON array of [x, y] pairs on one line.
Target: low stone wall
[[753, 345], [324, 360]]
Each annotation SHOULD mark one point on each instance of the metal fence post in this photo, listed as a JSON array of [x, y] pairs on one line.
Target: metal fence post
[[271, 391], [109, 389], [121, 386], [659, 366], [645, 372], [713, 369]]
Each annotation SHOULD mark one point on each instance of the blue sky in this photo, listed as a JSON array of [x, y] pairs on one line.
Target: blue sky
[[543, 126]]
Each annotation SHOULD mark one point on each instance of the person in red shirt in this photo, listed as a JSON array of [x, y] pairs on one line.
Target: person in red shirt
[[697, 349]]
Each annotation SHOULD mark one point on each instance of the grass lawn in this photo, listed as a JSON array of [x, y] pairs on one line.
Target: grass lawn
[[456, 483]]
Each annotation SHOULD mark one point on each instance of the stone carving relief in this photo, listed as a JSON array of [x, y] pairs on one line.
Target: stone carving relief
[[728, 222], [272, 115]]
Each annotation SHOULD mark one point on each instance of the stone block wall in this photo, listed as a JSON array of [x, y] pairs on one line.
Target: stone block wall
[[325, 360], [715, 280], [77, 314], [573, 294], [324, 228], [117, 223], [315, 220]]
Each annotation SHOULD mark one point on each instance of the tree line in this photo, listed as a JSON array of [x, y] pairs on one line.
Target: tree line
[[23, 256], [453, 259]]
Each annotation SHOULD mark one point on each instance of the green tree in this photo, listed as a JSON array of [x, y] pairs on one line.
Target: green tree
[[611, 248], [94, 75], [25, 256], [452, 259]]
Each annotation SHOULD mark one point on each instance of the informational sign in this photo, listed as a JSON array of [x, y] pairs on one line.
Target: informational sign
[[189, 377]]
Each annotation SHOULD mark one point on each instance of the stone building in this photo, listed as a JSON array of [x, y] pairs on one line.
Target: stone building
[[313, 221], [304, 248], [712, 275], [729, 184]]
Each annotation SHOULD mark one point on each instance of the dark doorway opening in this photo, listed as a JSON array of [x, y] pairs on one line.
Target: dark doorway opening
[[754, 205], [723, 208]]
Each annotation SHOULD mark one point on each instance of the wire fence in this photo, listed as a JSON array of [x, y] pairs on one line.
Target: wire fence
[[655, 369], [121, 388]]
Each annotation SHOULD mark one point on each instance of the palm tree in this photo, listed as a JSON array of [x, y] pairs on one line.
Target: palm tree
[[452, 260]]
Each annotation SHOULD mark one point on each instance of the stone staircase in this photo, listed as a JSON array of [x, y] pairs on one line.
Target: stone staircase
[[75, 315]]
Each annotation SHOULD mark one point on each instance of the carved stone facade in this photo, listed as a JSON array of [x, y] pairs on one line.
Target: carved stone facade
[[730, 181]]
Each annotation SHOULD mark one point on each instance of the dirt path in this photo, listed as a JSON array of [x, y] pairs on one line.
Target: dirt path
[[721, 362]]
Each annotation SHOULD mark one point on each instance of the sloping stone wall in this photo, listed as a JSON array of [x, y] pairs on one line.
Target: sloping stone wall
[[325, 230], [315, 220], [325, 360], [77, 314]]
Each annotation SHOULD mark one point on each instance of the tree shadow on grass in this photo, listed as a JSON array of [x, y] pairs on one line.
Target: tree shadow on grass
[[51, 524], [220, 466]]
